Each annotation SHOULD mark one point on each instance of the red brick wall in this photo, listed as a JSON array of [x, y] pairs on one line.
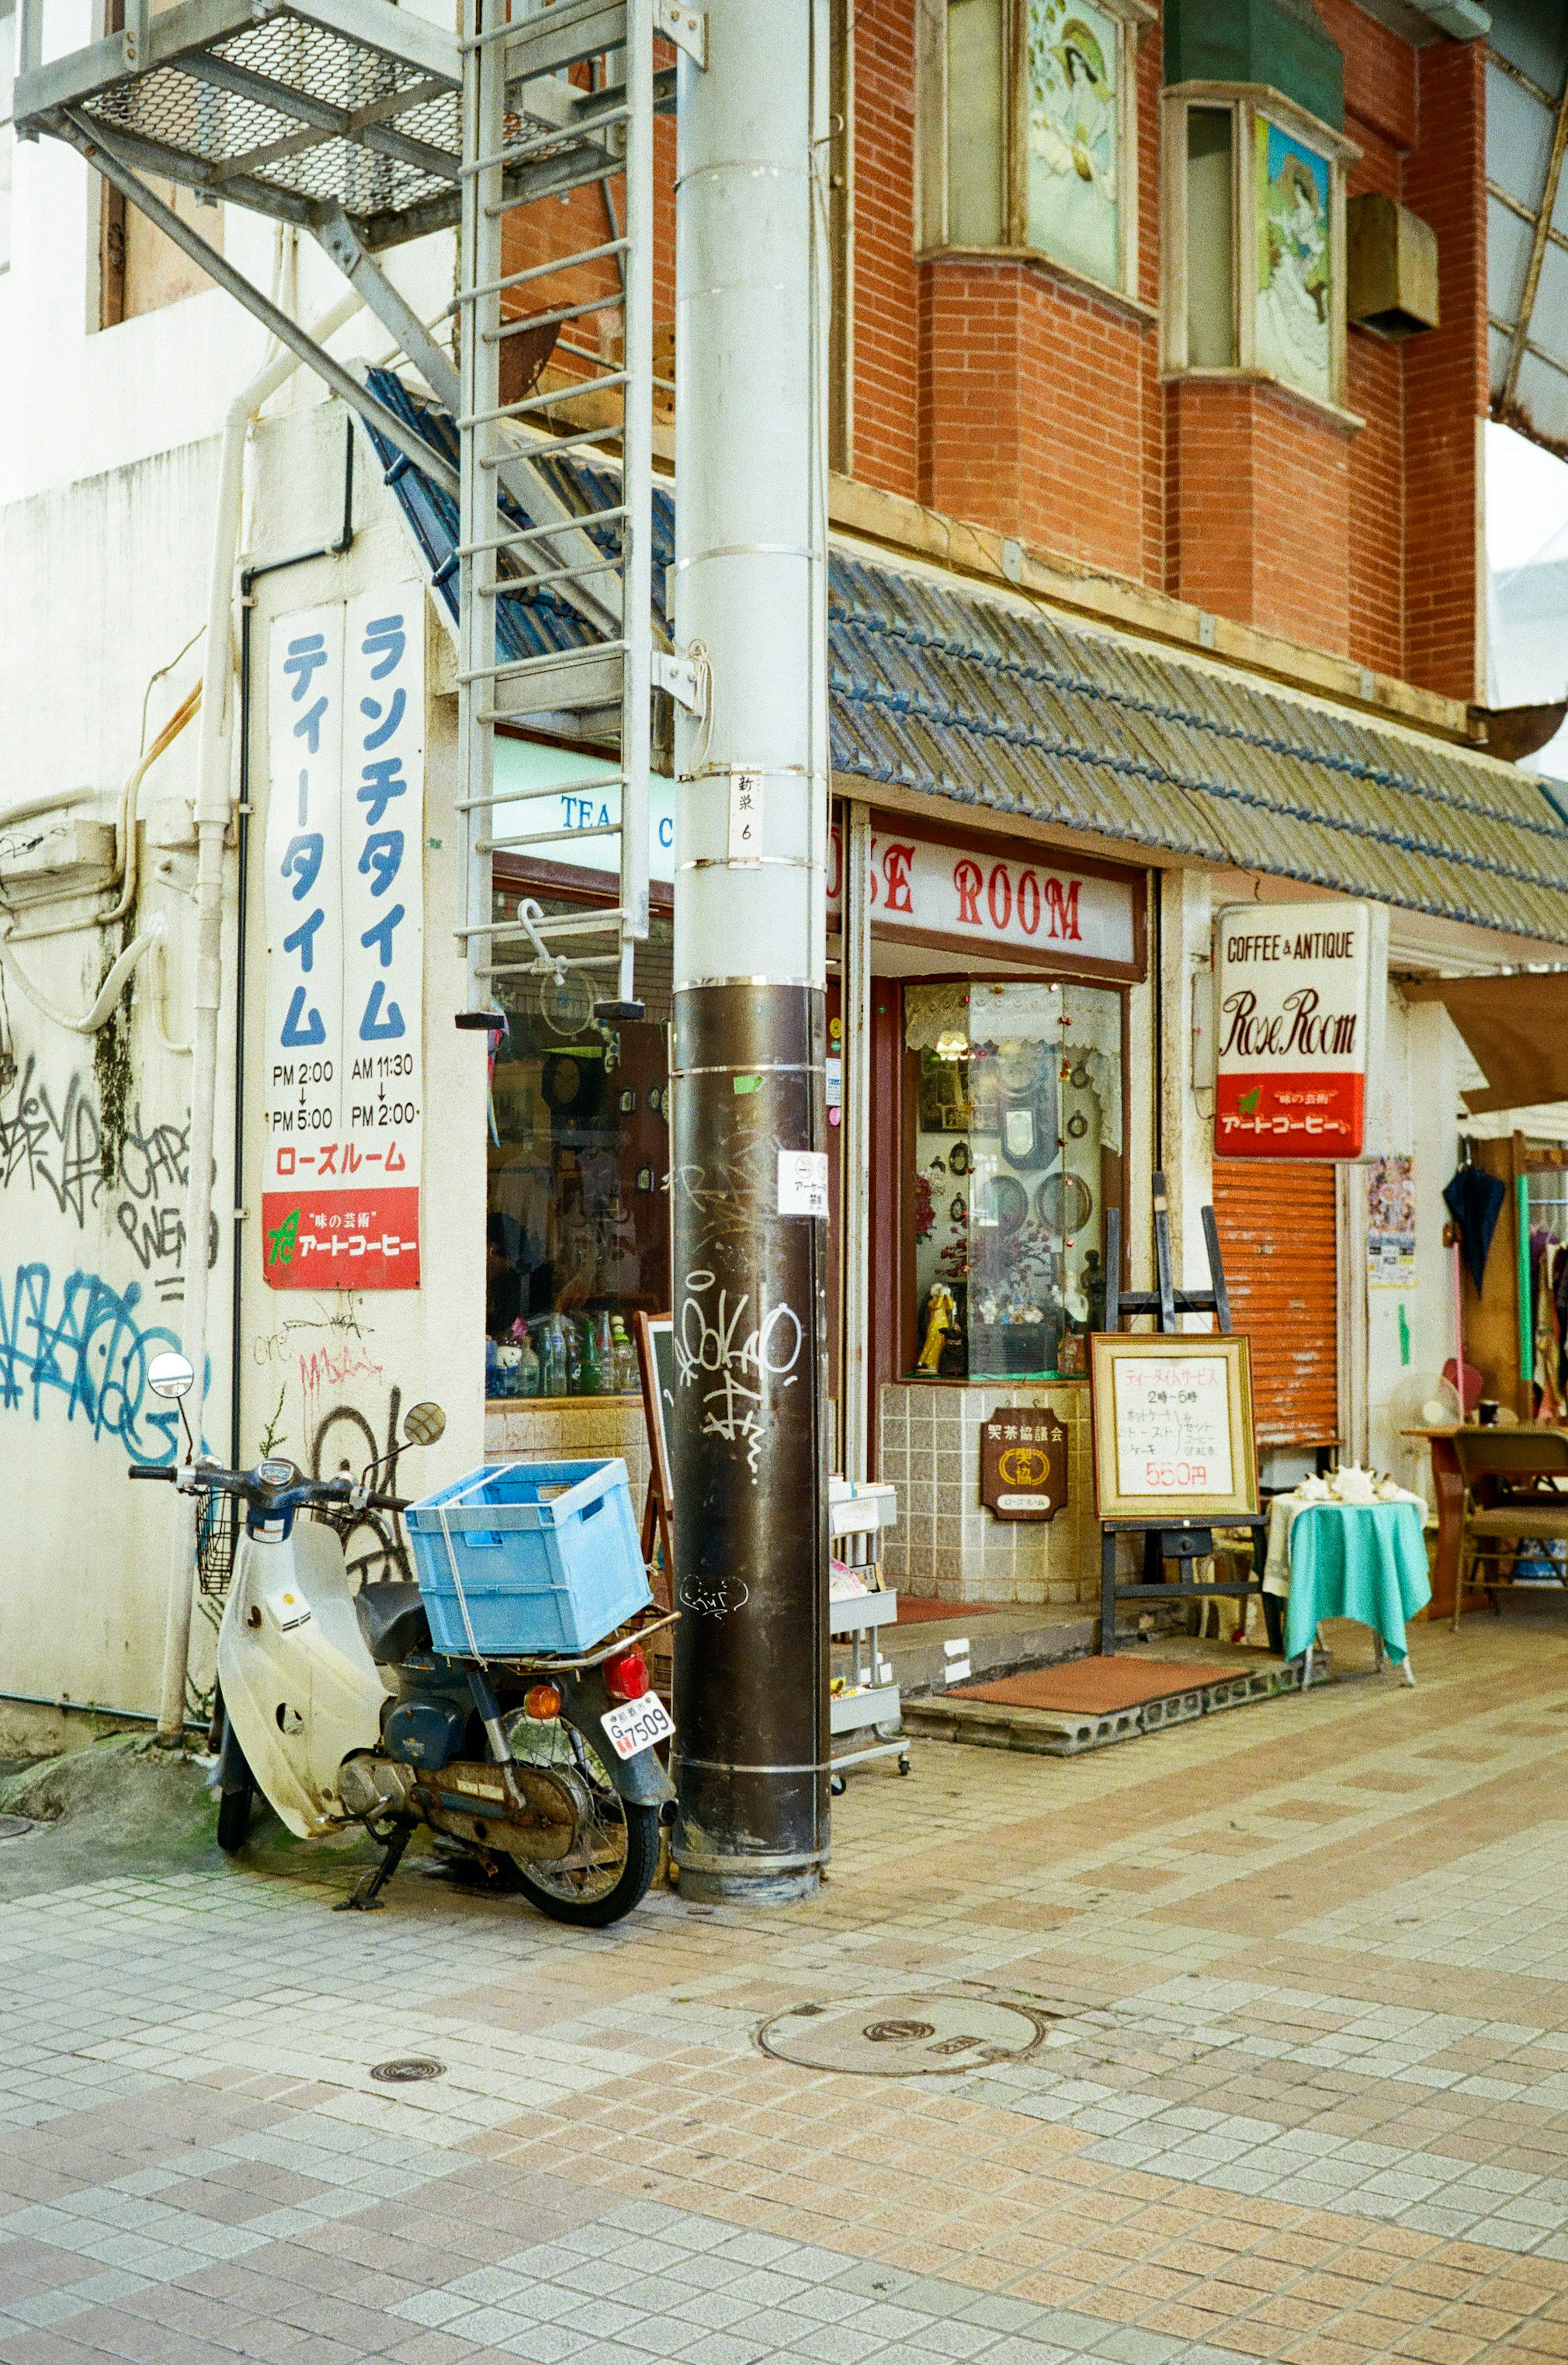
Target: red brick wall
[[1261, 508], [887, 298], [1005, 395], [1032, 409], [1446, 376]]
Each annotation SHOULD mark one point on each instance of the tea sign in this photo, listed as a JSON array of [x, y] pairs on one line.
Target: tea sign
[[1023, 1463]]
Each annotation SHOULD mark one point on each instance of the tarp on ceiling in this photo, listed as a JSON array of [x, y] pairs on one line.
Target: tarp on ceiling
[[1527, 216], [1516, 1029]]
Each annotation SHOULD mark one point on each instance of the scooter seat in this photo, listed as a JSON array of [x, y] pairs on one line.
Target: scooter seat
[[392, 1619]]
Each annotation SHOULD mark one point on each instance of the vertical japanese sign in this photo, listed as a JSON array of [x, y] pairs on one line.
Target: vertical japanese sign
[[1296, 986], [345, 947]]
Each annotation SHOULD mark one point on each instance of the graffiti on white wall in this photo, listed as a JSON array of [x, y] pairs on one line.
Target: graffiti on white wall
[[52, 1147], [79, 1352]]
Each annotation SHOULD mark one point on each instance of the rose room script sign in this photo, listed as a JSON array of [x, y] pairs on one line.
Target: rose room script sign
[[1294, 987], [344, 905]]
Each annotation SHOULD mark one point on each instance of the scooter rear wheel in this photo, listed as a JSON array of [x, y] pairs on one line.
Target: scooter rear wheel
[[595, 1906]]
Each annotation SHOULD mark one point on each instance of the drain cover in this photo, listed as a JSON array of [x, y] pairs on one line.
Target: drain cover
[[904, 2035], [13, 1826], [407, 2073]]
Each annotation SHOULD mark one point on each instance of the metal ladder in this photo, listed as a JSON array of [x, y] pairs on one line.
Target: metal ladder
[[368, 126], [516, 105]]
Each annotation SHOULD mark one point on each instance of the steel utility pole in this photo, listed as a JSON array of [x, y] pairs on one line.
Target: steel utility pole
[[748, 1162]]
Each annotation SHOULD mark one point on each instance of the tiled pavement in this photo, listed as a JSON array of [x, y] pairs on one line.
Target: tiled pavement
[[1305, 2095]]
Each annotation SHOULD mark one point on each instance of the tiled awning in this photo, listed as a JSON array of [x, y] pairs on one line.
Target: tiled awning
[[945, 689]]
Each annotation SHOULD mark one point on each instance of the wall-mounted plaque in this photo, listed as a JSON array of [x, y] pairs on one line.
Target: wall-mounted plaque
[[1024, 1463]]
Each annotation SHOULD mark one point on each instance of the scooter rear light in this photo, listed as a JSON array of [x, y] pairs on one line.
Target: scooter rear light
[[626, 1678], [543, 1703]]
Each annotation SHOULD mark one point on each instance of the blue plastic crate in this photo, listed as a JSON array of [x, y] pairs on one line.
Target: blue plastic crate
[[504, 1574]]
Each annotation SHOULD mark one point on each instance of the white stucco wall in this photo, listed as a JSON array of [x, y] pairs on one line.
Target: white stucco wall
[[100, 582]]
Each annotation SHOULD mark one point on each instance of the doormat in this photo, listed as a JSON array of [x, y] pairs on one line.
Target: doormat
[[1059, 1711], [912, 1611], [1094, 1687]]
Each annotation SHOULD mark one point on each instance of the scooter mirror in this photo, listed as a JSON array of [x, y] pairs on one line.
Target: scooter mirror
[[172, 1375], [423, 1423]]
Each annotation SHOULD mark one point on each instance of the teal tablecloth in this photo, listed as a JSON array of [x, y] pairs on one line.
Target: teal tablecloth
[[1352, 1560]]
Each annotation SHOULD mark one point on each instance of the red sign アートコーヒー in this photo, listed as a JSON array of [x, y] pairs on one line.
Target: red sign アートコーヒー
[[1292, 1007]]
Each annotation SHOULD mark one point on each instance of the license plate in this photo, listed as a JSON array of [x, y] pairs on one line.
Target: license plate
[[637, 1725]]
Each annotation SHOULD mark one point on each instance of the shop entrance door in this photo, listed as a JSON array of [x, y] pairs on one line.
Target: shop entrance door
[[1278, 1231]]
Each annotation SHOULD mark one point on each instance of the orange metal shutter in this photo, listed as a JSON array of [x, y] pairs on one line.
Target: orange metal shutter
[[1277, 1238]]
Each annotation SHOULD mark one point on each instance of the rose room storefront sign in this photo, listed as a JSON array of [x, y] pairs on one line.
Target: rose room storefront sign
[[999, 901]]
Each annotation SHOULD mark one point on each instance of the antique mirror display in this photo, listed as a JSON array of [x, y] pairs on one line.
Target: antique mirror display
[[1016, 1148]]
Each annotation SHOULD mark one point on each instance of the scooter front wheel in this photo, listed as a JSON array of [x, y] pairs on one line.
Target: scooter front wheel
[[234, 1818], [623, 1855], [236, 1789]]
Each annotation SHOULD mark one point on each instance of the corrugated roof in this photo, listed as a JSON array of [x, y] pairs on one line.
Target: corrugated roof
[[942, 689]]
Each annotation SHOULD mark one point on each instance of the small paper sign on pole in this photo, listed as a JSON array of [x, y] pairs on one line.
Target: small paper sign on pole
[[802, 1182], [745, 814]]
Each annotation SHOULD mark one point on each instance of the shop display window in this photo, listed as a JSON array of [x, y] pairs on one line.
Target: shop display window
[[1014, 1134], [579, 1206]]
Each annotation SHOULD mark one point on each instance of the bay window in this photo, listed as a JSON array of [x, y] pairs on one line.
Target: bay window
[[1254, 276], [1029, 131]]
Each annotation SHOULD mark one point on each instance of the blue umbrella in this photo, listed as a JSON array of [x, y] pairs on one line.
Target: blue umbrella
[[1475, 1199]]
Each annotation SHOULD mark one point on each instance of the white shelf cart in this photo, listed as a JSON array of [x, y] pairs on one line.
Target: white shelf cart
[[869, 1707]]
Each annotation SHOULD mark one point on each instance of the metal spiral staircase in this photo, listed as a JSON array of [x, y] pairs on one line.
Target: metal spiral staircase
[[366, 125]]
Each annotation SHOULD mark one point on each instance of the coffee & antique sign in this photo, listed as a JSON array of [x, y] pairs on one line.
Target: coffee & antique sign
[[1297, 988], [1024, 1463]]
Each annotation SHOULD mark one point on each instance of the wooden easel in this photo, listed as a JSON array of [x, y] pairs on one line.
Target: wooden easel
[[658, 1510], [1165, 1538]]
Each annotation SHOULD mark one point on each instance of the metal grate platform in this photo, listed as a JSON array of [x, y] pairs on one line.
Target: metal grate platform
[[303, 108]]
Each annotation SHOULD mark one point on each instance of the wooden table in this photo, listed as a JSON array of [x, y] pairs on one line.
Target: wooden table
[[1448, 1488]]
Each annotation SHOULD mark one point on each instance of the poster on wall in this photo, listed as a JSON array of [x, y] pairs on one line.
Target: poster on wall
[[1391, 1224], [1294, 324], [344, 865], [1296, 986], [1074, 59]]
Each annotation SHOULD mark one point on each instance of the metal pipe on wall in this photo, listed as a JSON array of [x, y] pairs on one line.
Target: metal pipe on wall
[[854, 1194], [749, 1126], [214, 807]]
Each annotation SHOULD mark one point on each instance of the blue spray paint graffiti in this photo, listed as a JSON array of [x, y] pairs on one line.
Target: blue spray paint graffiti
[[88, 1346]]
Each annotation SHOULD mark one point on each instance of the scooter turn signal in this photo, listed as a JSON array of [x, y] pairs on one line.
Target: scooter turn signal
[[543, 1703]]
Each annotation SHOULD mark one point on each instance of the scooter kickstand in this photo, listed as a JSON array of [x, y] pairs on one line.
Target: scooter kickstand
[[365, 1896]]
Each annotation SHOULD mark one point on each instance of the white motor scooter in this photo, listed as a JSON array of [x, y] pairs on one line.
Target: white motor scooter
[[334, 1705]]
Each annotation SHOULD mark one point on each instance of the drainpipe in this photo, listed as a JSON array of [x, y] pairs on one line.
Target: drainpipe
[[213, 813], [746, 1074]]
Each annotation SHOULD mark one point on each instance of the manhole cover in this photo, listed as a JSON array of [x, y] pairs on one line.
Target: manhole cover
[[407, 2073], [906, 2035], [13, 1826]]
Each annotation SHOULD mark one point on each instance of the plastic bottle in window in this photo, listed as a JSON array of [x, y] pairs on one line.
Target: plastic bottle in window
[[551, 1353], [572, 1332], [528, 1366], [624, 1358]]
